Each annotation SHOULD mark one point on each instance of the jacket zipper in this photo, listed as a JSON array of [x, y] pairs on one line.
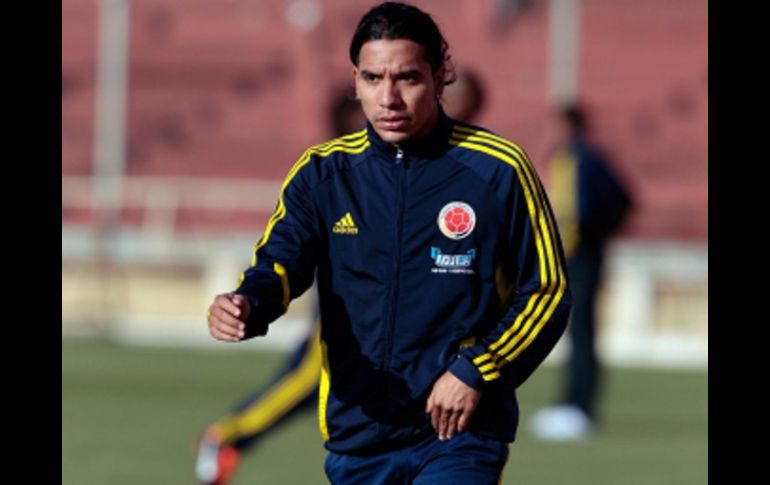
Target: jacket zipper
[[400, 167]]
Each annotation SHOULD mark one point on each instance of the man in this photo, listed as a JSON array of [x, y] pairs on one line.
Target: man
[[439, 270], [295, 387], [590, 203]]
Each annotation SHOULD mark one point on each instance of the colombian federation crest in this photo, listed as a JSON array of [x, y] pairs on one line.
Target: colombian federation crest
[[456, 220]]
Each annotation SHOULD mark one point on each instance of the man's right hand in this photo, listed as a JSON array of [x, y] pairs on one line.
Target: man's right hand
[[227, 315]]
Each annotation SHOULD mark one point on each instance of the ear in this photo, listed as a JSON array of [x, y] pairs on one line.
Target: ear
[[355, 78]]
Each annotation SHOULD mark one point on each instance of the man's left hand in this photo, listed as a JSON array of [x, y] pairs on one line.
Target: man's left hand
[[451, 405]]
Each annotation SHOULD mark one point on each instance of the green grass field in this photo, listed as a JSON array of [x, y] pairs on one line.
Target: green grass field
[[130, 415]]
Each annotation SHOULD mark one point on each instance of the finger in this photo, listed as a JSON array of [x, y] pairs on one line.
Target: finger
[[434, 417], [226, 328], [234, 330], [429, 404], [452, 424], [462, 421], [225, 322], [226, 303], [223, 336], [220, 335], [239, 300], [242, 302], [443, 423], [225, 316]]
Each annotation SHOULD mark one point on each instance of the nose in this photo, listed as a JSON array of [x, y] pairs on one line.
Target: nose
[[390, 97]]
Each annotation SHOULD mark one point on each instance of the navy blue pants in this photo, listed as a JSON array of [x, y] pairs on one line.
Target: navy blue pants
[[464, 459], [581, 385]]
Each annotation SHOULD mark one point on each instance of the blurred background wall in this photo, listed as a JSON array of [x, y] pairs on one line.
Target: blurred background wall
[[180, 119]]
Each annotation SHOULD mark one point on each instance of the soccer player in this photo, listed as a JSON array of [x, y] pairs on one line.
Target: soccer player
[[439, 269], [295, 387]]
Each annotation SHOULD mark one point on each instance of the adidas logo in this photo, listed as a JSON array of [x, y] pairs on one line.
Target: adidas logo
[[345, 225]]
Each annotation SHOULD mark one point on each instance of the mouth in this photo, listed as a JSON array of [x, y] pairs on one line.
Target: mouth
[[393, 122]]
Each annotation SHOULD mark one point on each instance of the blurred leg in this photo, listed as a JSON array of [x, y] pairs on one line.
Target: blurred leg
[[293, 389], [290, 391], [582, 370]]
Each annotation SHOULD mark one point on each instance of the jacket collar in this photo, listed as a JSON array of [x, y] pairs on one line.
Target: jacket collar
[[431, 146]]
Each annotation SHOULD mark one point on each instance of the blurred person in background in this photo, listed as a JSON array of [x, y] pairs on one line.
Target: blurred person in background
[[295, 387], [431, 315], [590, 203]]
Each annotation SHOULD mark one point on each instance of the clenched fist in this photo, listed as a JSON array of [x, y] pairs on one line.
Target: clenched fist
[[227, 315]]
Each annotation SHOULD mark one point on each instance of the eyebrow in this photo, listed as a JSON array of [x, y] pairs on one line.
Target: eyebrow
[[409, 73], [367, 72]]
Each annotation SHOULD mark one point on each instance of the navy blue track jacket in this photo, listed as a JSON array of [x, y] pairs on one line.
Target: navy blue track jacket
[[439, 254]]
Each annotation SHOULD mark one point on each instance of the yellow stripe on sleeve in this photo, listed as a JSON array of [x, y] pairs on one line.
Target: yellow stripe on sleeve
[[516, 151], [353, 144], [281, 272], [542, 303]]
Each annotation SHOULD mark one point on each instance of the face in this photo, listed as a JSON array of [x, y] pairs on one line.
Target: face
[[398, 89]]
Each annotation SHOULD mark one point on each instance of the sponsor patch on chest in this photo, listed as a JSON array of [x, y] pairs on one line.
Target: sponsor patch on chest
[[452, 263]]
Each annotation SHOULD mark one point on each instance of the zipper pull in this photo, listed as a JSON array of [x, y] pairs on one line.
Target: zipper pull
[[399, 154]]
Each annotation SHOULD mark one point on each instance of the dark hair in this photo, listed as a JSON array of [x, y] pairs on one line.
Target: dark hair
[[575, 116], [394, 20]]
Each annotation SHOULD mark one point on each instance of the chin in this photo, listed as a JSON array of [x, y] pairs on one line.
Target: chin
[[394, 136]]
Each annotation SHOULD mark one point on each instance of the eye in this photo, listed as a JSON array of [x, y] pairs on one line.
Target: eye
[[369, 76], [410, 77]]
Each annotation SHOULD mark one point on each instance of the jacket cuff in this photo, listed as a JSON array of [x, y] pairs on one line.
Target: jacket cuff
[[463, 369], [255, 326]]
